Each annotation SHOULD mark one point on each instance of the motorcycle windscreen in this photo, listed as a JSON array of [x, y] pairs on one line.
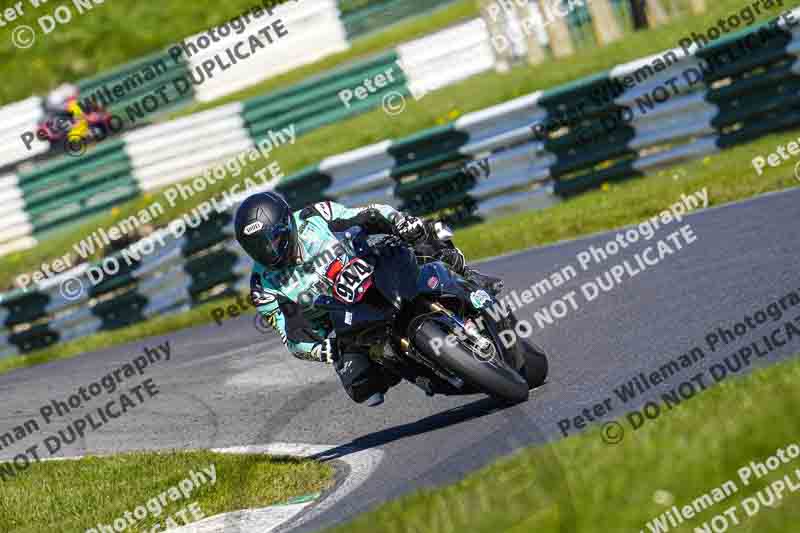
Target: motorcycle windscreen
[[396, 274]]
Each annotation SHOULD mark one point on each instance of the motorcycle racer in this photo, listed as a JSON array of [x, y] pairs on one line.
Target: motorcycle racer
[[288, 274]]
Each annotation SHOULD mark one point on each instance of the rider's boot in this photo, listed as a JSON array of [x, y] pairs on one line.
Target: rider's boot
[[375, 400]]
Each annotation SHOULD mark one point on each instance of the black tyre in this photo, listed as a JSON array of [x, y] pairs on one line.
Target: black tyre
[[491, 375], [536, 367]]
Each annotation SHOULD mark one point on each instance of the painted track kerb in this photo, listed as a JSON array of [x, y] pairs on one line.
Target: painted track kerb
[[361, 464]]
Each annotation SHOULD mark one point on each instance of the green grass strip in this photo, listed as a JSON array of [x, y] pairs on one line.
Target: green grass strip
[[114, 34], [79, 495]]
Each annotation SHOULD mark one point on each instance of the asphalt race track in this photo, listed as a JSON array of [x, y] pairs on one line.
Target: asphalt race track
[[233, 385]]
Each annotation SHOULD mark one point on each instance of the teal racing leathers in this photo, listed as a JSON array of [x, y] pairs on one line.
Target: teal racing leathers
[[285, 297]]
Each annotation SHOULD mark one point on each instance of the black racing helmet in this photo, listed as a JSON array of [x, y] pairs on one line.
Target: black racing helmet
[[266, 230]]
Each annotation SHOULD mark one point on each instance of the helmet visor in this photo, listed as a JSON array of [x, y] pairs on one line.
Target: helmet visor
[[278, 241]]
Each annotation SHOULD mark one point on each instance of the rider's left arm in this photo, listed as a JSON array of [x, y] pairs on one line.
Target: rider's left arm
[[374, 218]]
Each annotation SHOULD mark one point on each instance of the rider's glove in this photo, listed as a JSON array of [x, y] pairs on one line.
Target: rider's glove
[[410, 229], [326, 351], [454, 258]]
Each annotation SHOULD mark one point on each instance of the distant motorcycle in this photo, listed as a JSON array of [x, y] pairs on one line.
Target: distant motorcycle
[[425, 324], [85, 127]]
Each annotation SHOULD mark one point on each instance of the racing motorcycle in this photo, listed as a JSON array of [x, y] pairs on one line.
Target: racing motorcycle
[[423, 323], [94, 125]]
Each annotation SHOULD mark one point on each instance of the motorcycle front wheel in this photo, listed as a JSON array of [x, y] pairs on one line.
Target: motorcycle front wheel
[[481, 366]]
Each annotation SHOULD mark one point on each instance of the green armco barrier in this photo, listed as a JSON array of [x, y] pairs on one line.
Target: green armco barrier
[[316, 102], [772, 50], [293, 107], [34, 189], [282, 101], [70, 187], [36, 338], [305, 187], [586, 136], [323, 81], [312, 115], [361, 18], [54, 188], [84, 202], [340, 112], [121, 279], [107, 151], [207, 234], [777, 121], [122, 311], [618, 172], [757, 105], [427, 194], [210, 270], [568, 96], [588, 157], [451, 179], [28, 307], [427, 149], [780, 76]]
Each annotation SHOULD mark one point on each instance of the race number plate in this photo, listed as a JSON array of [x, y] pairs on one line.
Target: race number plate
[[352, 281]]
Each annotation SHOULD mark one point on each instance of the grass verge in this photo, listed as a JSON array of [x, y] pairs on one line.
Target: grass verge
[[79, 495], [582, 484], [436, 108], [113, 34]]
